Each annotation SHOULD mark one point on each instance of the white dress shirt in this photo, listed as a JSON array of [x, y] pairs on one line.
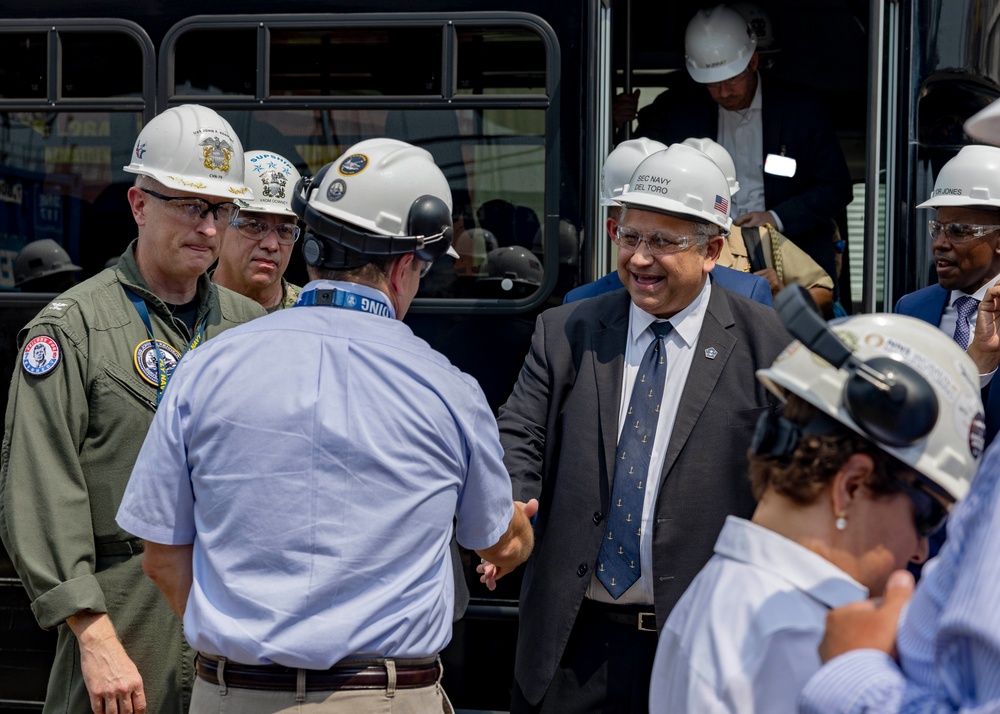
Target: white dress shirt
[[680, 344], [745, 636], [741, 133]]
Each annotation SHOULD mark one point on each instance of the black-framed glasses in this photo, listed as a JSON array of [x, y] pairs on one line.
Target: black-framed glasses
[[959, 232], [194, 209], [426, 268], [256, 229], [657, 243], [929, 512]]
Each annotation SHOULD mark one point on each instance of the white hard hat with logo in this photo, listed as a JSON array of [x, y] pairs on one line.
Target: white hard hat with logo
[[272, 179], [680, 181], [971, 179], [717, 153], [718, 45], [923, 405], [191, 148], [381, 197], [621, 164]]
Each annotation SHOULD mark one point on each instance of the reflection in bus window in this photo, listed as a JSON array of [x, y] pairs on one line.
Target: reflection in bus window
[[500, 60]]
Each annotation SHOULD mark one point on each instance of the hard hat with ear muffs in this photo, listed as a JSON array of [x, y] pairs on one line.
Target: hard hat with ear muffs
[[381, 197], [897, 381]]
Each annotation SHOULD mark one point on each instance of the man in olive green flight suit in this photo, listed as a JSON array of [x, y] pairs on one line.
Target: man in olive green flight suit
[[80, 404]]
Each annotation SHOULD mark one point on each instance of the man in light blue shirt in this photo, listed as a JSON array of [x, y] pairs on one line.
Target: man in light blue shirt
[[298, 491]]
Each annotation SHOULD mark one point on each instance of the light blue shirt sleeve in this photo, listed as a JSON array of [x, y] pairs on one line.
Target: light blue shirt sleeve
[[949, 633], [158, 505]]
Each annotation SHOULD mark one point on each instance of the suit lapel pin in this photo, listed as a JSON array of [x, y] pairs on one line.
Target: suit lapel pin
[[711, 353]]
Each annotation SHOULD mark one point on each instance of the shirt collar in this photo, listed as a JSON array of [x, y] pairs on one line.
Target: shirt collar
[[686, 323], [356, 288], [783, 558], [979, 294]]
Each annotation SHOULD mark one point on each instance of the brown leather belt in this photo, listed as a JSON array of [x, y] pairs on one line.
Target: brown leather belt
[[341, 676]]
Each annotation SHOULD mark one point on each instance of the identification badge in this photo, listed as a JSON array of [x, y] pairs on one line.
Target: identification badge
[[40, 356], [777, 165], [145, 360]]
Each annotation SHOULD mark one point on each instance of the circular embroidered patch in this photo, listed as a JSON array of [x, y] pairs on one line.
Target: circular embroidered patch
[[144, 358], [353, 164], [40, 356]]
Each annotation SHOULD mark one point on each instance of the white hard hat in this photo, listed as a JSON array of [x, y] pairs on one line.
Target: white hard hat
[[621, 164], [680, 181], [718, 45], [272, 179], [191, 148], [931, 418], [717, 153], [984, 125], [381, 197], [971, 179]]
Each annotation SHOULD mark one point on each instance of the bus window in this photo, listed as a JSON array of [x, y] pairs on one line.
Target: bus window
[[25, 73]]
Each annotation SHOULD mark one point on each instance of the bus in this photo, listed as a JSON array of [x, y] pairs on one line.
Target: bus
[[514, 101]]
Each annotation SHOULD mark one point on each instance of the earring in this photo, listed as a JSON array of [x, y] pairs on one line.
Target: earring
[[841, 521]]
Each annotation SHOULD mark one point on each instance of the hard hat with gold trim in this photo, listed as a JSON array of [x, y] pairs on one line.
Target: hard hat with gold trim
[[192, 149]]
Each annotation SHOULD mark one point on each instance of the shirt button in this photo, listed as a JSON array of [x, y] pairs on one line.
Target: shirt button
[[582, 570], [597, 518]]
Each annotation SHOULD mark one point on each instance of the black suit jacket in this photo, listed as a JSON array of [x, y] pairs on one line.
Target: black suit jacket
[[794, 124], [559, 430]]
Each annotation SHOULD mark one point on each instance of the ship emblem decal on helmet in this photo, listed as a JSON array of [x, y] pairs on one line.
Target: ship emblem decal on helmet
[[217, 153], [274, 184], [353, 164], [337, 190]]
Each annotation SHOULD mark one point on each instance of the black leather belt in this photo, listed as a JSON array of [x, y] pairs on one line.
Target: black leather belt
[[639, 617], [341, 676]]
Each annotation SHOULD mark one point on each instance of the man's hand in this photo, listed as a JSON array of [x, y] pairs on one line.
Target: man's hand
[[772, 280], [984, 347], [870, 624], [756, 218], [490, 572], [624, 108], [112, 680]]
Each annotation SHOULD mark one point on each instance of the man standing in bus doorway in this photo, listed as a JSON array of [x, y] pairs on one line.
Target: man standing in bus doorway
[[965, 239], [75, 422], [665, 370], [787, 155], [300, 526], [257, 245]]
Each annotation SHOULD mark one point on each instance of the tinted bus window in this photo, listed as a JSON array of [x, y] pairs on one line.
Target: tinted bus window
[[24, 73], [402, 61], [498, 60], [217, 61], [100, 64]]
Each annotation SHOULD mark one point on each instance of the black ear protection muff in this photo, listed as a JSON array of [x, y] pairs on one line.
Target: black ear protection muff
[[337, 245], [775, 436], [888, 399]]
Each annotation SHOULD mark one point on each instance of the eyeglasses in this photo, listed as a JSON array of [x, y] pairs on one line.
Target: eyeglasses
[[730, 83], [195, 209], [426, 268], [959, 232], [929, 513], [256, 229], [656, 243]]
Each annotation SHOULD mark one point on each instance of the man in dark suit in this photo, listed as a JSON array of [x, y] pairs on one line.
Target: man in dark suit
[[966, 245], [616, 172], [589, 610], [788, 158]]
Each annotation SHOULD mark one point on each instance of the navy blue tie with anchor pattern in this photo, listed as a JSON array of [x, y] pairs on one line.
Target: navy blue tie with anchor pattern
[[966, 306], [618, 561]]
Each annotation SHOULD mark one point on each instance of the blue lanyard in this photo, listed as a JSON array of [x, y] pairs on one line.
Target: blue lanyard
[[162, 375], [338, 297]]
